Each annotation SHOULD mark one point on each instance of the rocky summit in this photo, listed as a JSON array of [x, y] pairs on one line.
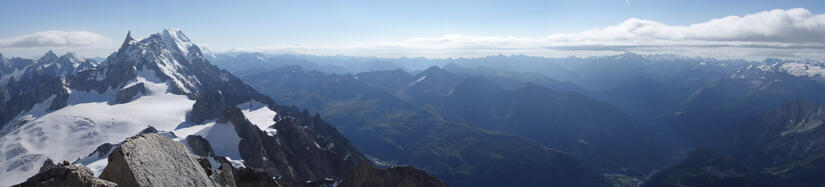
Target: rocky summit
[[65, 175], [154, 160], [158, 113]]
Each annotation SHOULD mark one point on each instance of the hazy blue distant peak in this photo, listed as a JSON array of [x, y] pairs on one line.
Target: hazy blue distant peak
[[49, 56]]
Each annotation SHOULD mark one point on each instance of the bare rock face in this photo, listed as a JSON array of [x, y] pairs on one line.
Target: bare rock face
[[65, 175], [154, 160], [200, 146], [204, 163], [253, 177], [48, 164], [223, 176], [128, 94]]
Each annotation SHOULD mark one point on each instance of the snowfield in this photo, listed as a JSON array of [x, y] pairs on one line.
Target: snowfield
[[258, 114], [221, 136], [92, 118], [88, 121]]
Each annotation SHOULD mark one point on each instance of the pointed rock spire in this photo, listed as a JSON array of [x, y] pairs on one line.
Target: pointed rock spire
[[128, 41], [129, 35]]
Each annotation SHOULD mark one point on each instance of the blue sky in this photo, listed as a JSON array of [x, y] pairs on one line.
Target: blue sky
[[357, 27]]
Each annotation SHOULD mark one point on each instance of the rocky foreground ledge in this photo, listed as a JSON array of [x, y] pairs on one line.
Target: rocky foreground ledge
[[155, 160]]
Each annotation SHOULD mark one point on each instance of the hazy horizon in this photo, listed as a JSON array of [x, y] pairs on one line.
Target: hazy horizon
[[430, 29]]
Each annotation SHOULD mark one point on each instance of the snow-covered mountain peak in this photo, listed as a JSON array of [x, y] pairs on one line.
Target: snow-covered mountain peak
[[48, 57], [175, 39], [169, 53], [628, 56], [72, 58], [161, 81], [801, 69], [776, 70]]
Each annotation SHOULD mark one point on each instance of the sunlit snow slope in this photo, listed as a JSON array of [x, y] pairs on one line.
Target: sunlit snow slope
[[88, 121]]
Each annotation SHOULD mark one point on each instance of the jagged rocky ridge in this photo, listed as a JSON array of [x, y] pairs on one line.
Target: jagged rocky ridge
[[153, 159], [163, 82], [65, 175]]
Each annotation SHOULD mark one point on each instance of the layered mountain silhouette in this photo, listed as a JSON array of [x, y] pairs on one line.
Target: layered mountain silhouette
[[387, 114]]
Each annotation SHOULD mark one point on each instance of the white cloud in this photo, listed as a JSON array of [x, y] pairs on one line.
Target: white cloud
[[35, 44], [793, 32], [793, 27], [56, 39]]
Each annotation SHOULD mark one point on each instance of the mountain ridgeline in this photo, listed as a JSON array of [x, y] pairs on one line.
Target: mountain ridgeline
[[67, 108], [626, 117], [158, 112], [400, 108]]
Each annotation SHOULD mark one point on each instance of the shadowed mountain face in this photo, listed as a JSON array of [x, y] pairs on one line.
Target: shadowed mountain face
[[782, 147], [786, 134], [704, 167], [695, 100], [567, 121]]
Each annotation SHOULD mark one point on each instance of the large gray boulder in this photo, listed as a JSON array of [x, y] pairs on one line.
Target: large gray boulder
[[154, 160]]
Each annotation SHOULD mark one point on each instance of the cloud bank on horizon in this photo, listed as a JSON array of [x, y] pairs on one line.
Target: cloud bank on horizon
[[791, 33], [55, 39], [39, 42]]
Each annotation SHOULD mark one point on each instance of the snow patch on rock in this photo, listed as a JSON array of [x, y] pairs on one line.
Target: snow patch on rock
[[259, 114]]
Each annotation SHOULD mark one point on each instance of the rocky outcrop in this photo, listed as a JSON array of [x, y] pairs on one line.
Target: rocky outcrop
[[208, 106], [367, 175], [253, 177], [128, 94], [48, 164], [103, 150], [223, 176], [304, 149], [199, 145], [65, 175], [154, 160], [204, 163]]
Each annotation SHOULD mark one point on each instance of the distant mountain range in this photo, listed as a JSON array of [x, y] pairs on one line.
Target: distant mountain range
[[373, 110], [302, 120], [627, 114]]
